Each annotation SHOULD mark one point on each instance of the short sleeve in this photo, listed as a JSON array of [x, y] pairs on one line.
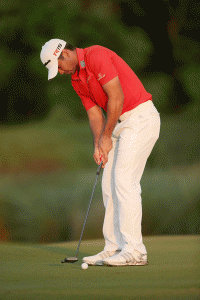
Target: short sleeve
[[100, 63], [86, 101]]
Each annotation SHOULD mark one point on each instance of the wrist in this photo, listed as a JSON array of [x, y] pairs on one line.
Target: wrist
[[96, 144], [107, 134]]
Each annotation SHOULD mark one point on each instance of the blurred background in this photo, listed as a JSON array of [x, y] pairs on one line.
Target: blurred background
[[47, 169]]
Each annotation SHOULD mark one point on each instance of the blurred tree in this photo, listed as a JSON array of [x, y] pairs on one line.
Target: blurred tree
[[183, 29], [152, 38], [21, 91], [82, 23], [172, 27]]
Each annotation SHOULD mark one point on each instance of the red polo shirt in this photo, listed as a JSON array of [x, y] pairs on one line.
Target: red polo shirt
[[98, 65]]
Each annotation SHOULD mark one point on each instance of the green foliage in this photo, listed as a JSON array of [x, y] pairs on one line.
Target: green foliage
[[178, 143], [46, 164], [26, 26], [51, 207], [190, 75], [171, 201], [137, 48], [48, 173], [66, 145], [47, 207], [62, 140], [160, 85]]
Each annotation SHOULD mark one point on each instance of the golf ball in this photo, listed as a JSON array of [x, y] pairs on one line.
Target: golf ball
[[84, 266]]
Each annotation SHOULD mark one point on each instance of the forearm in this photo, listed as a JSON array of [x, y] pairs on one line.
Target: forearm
[[114, 109], [97, 124], [115, 103]]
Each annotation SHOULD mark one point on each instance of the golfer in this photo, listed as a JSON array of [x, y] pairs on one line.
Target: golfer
[[123, 140]]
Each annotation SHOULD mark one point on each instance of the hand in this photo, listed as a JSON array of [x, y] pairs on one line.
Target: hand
[[105, 145], [96, 155]]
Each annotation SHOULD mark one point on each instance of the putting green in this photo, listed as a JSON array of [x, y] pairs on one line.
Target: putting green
[[35, 272]]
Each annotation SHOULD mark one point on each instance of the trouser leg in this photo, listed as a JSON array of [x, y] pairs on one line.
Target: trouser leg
[[111, 230], [121, 182], [128, 190], [135, 145]]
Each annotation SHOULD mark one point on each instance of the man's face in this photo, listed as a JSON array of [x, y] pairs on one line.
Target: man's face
[[69, 64]]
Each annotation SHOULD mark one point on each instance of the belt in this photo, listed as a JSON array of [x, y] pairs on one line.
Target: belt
[[138, 108]]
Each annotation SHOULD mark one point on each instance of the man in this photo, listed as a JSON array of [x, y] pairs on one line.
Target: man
[[124, 140]]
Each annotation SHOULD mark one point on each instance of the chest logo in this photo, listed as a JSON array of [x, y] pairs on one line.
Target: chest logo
[[100, 76], [82, 63]]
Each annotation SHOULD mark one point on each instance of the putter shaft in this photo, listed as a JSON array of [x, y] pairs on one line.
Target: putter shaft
[[74, 259], [86, 216]]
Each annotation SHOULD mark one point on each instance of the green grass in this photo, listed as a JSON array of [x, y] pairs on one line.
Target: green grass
[[35, 272], [58, 142]]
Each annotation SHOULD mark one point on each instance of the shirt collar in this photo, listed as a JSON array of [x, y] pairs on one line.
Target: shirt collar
[[80, 54]]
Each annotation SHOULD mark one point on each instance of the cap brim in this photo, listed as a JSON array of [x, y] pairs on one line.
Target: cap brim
[[53, 71]]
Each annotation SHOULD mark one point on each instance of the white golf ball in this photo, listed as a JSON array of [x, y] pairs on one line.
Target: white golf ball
[[84, 266]]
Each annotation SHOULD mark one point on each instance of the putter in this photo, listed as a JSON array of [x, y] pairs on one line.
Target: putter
[[75, 258]]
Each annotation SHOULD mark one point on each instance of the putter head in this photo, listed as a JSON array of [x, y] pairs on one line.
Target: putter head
[[69, 260]]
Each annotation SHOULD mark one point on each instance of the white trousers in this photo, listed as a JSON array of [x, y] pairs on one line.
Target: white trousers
[[133, 140]]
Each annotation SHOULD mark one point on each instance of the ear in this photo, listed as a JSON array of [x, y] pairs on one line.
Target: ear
[[65, 53]]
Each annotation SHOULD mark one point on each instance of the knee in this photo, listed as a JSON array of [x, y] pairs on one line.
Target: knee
[[122, 180], [127, 182]]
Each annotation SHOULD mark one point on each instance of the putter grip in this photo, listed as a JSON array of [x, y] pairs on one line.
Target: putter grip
[[99, 168]]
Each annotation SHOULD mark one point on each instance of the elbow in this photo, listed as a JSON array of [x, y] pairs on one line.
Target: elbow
[[122, 99], [121, 102]]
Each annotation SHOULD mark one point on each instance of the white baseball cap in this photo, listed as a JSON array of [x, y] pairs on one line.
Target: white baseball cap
[[49, 55]]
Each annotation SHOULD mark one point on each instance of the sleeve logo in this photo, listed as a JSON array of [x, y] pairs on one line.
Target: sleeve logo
[[100, 76]]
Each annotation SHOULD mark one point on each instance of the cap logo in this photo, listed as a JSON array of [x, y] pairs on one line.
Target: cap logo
[[57, 49], [47, 62]]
